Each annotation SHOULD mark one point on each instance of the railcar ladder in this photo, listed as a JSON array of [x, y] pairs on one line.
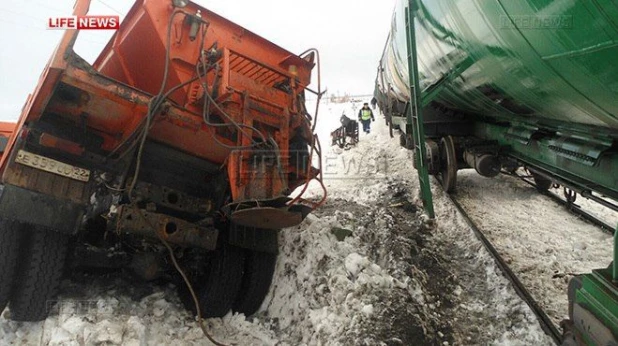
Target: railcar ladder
[[414, 115]]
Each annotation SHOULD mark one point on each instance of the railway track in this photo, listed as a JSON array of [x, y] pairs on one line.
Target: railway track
[[548, 326], [571, 207], [544, 320]]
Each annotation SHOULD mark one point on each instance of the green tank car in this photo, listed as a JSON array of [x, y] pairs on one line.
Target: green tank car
[[506, 84]]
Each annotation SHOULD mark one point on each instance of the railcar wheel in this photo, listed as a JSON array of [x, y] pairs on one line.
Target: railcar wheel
[[258, 275], [38, 277], [542, 184], [218, 287], [389, 122], [448, 170], [10, 241], [402, 140], [406, 141]]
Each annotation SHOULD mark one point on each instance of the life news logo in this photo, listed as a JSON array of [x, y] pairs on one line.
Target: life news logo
[[84, 23]]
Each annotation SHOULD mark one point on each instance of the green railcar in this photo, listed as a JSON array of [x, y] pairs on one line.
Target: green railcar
[[510, 83]]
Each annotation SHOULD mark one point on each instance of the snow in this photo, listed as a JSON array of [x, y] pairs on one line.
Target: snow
[[324, 287], [394, 280], [606, 214], [543, 243], [354, 263]]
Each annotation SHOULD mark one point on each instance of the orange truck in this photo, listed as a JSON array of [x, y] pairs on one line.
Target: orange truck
[[6, 130], [184, 140]]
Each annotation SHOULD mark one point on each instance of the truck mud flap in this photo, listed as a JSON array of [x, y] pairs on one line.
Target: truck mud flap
[[40, 210], [252, 238]]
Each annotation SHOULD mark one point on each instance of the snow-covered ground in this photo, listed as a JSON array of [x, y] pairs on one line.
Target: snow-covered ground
[[543, 243], [395, 280], [607, 215]]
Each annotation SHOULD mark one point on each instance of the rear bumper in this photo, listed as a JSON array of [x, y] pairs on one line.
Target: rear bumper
[[38, 209]]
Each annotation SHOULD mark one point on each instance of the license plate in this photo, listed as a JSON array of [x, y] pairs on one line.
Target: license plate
[[50, 165]]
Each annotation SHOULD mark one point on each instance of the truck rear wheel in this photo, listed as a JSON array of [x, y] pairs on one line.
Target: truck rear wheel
[[10, 241], [39, 273], [218, 287], [259, 270]]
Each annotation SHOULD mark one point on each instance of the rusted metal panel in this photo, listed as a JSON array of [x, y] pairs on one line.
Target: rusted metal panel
[[172, 199], [174, 230], [255, 176]]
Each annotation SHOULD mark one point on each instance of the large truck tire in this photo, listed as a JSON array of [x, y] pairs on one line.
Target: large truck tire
[[218, 288], [259, 270], [38, 276], [10, 241]]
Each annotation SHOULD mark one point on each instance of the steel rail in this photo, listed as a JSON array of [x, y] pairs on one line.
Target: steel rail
[[572, 207], [548, 326]]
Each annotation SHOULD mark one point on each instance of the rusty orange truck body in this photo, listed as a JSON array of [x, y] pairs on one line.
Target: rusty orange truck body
[[6, 131], [187, 134]]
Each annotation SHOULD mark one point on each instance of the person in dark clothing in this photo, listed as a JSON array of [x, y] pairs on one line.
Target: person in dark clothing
[[365, 116], [348, 129], [351, 128], [374, 102], [344, 120]]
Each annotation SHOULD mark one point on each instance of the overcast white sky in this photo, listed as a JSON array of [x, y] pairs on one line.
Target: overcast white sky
[[350, 35]]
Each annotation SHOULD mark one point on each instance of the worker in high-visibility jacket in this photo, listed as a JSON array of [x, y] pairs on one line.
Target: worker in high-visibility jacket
[[365, 116]]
